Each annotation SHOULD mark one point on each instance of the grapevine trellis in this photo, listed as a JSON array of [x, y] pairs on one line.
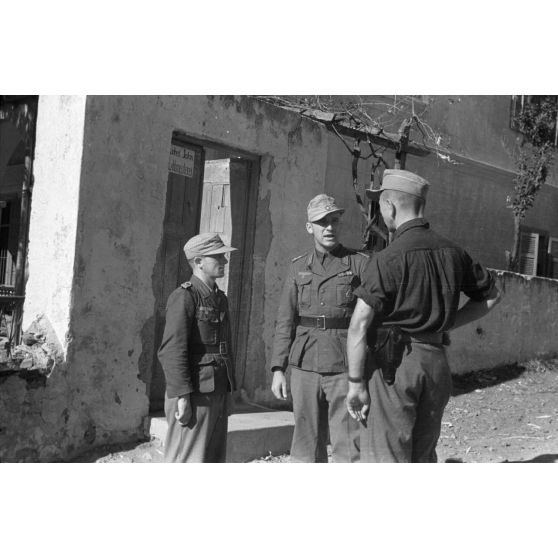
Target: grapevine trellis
[[368, 123]]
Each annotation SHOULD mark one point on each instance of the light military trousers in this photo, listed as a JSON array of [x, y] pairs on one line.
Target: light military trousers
[[320, 413]]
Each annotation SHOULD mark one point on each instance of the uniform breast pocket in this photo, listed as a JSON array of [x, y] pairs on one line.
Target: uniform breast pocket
[[208, 324], [345, 295], [304, 287]]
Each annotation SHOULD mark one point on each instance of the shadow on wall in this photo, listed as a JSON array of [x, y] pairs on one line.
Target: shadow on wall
[[466, 383]]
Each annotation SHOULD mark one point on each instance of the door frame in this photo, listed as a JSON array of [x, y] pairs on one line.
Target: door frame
[[248, 240]]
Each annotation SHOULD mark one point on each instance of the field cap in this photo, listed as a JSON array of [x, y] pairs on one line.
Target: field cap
[[320, 206], [402, 181], [206, 244]]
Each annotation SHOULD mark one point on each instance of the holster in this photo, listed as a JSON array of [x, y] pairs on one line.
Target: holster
[[387, 350]]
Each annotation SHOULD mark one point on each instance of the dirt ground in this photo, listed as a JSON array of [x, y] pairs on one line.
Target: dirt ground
[[507, 414]]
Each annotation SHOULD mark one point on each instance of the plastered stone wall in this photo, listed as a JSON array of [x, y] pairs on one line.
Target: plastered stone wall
[[523, 326], [467, 203], [96, 226], [124, 185], [100, 245]]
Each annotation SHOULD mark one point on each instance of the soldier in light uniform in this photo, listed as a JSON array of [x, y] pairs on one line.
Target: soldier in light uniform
[[196, 357], [311, 334]]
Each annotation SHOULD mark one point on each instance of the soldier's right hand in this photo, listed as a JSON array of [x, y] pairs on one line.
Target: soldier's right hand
[[279, 384], [358, 401], [184, 412]]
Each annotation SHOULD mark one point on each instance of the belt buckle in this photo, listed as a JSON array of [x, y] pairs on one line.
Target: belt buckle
[[223, 348], [320, 324]]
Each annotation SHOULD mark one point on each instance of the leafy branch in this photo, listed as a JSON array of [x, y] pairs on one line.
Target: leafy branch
[[533, 159]]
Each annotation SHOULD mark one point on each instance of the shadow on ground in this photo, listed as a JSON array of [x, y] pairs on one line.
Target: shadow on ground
[[544, 458], [96, 453], [466, 383]]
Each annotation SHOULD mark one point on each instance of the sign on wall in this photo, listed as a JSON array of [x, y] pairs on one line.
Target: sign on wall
[[181, 161]]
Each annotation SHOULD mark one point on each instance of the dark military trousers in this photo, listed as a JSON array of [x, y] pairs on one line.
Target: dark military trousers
[[319, 410], [204, 438], [404, 421]]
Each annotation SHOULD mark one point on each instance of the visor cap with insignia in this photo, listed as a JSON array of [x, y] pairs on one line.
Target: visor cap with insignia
[[402, 181], [320, 206], [206, 244]]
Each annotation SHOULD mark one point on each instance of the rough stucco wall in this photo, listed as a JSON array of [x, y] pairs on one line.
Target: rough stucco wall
[[98, 396], [523, 326], [38, 415], [123, 189], [477, 127], [52, 232], [467, 203]]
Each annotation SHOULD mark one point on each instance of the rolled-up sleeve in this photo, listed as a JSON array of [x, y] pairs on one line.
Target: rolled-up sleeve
[[372, 289], [173, 353], [477, 280]]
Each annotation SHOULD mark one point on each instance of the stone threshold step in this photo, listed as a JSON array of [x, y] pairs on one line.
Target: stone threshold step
[[251, 435]]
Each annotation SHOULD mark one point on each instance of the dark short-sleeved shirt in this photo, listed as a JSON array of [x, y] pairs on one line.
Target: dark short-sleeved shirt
[[416, 281]]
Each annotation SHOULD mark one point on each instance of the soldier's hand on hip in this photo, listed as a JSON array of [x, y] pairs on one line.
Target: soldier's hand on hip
[[184, 412], [279, 384], [358, 401]]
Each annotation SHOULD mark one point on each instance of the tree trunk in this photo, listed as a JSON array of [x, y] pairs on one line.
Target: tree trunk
[[513, 260]]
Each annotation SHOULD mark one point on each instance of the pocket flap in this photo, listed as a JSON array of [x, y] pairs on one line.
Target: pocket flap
[[203, 360], [303, 279]]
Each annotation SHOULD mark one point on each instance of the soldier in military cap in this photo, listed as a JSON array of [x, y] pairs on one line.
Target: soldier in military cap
[[311, 334], [412, 288], [196, 358]]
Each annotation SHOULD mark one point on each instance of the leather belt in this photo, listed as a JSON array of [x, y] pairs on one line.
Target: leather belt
[[323, 322], [218, 349], [426, 337]]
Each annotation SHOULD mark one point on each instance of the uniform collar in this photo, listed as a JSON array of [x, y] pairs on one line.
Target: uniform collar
[[203, 289], [413, 223], [337, 252]]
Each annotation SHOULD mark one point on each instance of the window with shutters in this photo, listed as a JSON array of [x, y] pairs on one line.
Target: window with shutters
[[538, 254], [528, 253]]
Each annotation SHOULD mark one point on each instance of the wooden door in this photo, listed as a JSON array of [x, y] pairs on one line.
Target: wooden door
[[182, 214], [238, 277], [226, 187]]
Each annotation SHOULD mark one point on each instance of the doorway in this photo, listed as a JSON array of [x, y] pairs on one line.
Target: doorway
[[210, 188]]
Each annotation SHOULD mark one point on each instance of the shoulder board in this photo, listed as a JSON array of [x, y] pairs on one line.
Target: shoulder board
[[186, 285], [298, 257], [354, 251], [348, 251]]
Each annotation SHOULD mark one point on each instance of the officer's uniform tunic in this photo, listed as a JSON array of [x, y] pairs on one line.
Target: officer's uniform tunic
[[415, 283], [196, 359], [317, 351]]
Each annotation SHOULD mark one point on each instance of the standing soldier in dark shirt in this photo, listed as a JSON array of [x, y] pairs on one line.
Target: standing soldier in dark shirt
[[311, 336], [196, 358], [412, 289]]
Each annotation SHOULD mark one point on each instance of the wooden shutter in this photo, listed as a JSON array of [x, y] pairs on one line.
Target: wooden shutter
[[528, 253]]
